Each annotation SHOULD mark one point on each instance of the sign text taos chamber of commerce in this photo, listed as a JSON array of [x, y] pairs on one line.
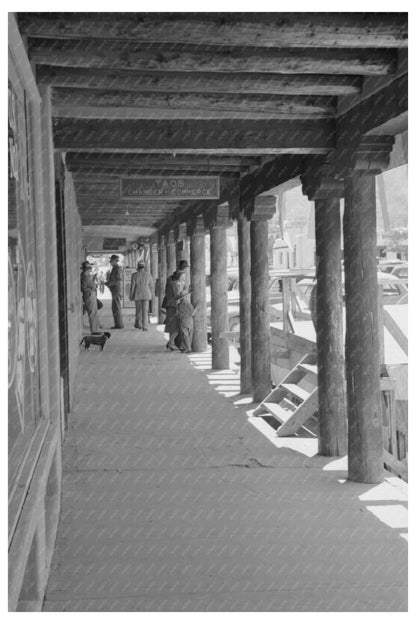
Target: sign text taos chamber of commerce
[[170, 187]]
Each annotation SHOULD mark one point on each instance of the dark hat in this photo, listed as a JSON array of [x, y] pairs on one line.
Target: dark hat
[[86, 265], [140, 265], [114, 257], [183, 264]]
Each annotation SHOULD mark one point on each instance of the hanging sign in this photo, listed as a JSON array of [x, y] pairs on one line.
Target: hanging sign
[[175, 188]]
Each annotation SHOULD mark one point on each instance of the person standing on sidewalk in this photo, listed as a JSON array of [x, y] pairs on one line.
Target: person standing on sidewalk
[[114, 283], [141, 291], [89, 296], [186, 313]]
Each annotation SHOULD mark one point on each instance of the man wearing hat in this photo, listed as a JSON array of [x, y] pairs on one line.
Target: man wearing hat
[[89, 296], [141, 291], [114, 283], [174, 287]]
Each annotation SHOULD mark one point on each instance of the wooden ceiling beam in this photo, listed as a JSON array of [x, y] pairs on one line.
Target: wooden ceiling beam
[[249, 29], [154, 160], [93, 103], [184, 82], [300, 136], [154, 171], [119, 112], [120, 54]]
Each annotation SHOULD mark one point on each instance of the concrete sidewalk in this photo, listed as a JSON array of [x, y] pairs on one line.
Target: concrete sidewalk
[[174, 501]]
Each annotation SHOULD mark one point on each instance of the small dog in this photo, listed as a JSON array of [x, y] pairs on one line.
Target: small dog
[[95, 339]]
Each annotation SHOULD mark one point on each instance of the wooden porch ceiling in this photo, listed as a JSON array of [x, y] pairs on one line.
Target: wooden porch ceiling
[[183, 94]]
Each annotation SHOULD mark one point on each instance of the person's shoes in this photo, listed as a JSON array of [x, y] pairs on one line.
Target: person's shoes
[[145, 329], [116, 327]]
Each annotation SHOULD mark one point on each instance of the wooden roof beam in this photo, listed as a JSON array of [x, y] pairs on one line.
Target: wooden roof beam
[[300, 136], [120, 54], [183, 82], [164, 171], [91, 103], [249, 29], [149, 160]]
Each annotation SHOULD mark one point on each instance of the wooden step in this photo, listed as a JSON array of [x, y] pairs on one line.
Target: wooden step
[[310, 368], [278, 411], [288, 404], [300, 417], [296, 391]]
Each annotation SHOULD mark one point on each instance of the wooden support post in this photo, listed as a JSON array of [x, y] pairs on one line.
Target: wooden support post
[[162, 272], [198, 285], [219, 317], [260, 313], [286, 304], [244, 266], [170, 253], [154, 262], [329, 329], [362, 351]]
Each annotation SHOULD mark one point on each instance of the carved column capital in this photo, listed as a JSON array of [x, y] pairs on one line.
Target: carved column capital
[[218, 217], [264, 208], [161, 241], [170, 237], [234, 206], [180, 231], [319, 182], [369, 154], [195, 226]]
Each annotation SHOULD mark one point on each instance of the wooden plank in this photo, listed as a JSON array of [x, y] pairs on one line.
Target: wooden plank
[[119, 112], [310, 368], [278, 411], [300, 416], [296, 391], [250, 29], [207, 82], [399, 336], [286, 135], [120, 54], [90, 101], [224, 173], [150, 160], [400, 467]]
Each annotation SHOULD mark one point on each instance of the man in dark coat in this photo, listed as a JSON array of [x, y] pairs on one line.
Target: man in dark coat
[[114, 283]]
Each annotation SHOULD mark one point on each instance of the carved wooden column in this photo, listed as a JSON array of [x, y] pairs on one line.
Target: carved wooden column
[[259, 211], [326, 192], [162, 273], [154, 262], [170, 252], [362, 349], [196, 231], [219, 221], [244, 278]]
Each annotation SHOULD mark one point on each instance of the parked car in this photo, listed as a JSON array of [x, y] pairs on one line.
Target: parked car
[[275, 295], [394, 290], [398, 268]]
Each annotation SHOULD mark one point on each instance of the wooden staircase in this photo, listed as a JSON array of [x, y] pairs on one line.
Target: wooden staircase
[[294, 402]]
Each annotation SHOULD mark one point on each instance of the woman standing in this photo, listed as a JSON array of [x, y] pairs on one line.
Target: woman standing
[[141, 291], [89, 296], [174, 290]]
